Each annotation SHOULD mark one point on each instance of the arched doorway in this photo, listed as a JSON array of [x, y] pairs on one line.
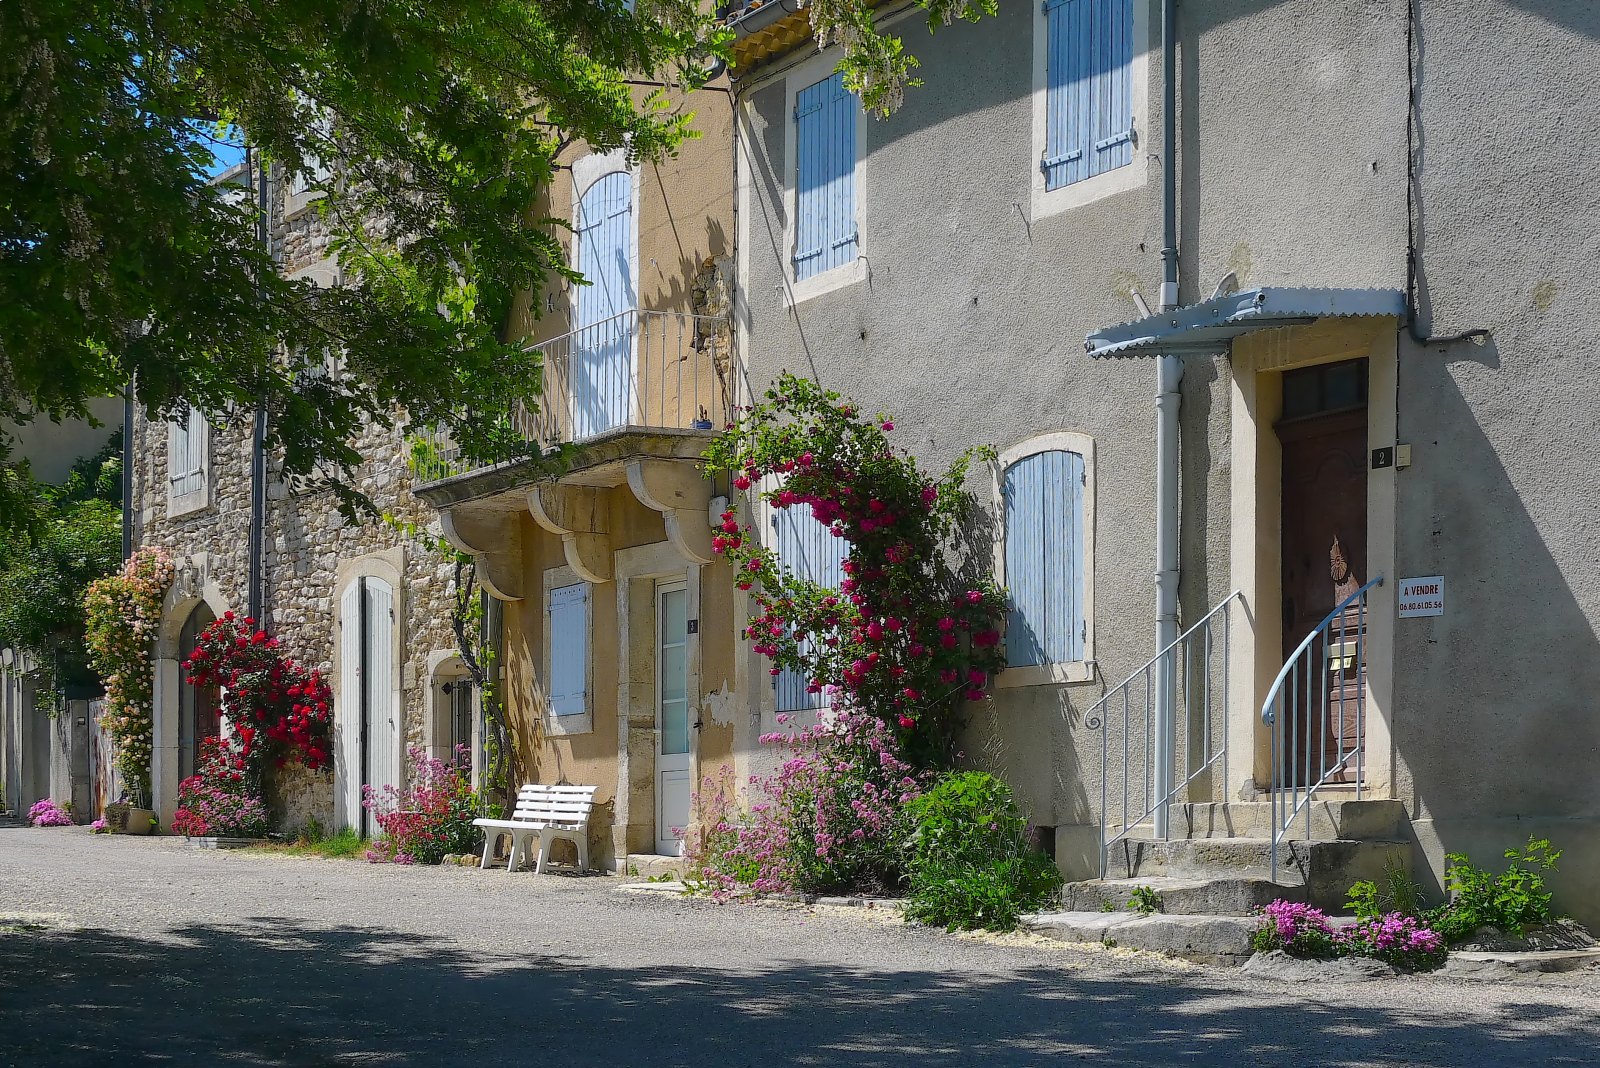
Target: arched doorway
[[199, 707]]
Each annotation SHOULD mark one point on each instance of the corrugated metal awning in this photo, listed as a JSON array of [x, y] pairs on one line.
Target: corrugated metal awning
[[1209, 327]]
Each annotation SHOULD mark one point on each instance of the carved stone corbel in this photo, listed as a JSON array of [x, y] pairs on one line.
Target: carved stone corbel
[[578, 514], [495, 542], [678, 491]]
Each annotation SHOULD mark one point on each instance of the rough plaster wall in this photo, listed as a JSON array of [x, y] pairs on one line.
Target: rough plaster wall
[[970, 331], [306, 541], [1497, 732]]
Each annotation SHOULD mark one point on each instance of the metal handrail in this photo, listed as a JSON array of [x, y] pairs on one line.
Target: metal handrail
[[1164, 661], [1285, 809]]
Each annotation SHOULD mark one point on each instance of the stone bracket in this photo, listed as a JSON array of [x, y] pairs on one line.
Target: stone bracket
[[495, 542], [679, 492], [578, 514]]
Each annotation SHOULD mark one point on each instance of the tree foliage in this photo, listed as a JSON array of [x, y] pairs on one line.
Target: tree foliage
[[439, 128], [75, 538]]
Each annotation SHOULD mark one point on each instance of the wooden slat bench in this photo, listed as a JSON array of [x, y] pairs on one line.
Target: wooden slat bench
[[547, 813]]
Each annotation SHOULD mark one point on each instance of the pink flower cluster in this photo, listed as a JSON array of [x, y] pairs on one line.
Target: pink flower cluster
[[1294, 920], [825, 819], [1393, 937], [902, 637], [1303, 931], [429, 816], [219, 799], [44, 813]]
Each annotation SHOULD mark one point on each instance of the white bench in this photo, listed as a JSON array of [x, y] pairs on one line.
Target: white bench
[[548, 813]]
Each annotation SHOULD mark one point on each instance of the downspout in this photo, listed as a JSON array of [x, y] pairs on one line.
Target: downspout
[[1170, 377], [258, 447], [127, 469]]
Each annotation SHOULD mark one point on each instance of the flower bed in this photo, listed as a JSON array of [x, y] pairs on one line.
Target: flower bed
[[220, 800], [430, 817], [1304, 932], [45, 813]]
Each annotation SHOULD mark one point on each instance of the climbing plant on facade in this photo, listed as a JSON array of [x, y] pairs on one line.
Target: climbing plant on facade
[[275, 706], [122, 613], [908, 637]]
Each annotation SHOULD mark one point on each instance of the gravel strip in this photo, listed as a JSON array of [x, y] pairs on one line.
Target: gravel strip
[[138, 949]]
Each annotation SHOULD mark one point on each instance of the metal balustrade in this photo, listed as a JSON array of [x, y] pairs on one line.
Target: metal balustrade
[[1192, 670], [644, 370], [1315, 711]]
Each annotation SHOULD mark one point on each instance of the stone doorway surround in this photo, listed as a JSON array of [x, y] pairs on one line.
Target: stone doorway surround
[[192, 585], [1255, 552]]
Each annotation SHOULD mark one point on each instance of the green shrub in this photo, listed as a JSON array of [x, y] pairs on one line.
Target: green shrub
[[969, 859], [1511, 901], [1144, 900]]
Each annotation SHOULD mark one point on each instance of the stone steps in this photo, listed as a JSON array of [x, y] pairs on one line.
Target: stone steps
[[1203, 939], [1184, 896], [1329, 819], [1324, 870]]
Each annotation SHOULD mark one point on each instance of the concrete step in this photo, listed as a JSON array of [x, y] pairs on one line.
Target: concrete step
[[648, 865], [1204, 939], [1181, 896], [1324, 869], [1330, 819]]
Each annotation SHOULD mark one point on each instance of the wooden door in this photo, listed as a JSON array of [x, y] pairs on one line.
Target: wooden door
[[1324, 545]]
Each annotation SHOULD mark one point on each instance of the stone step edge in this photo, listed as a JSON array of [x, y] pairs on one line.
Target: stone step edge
[[1202, 939]]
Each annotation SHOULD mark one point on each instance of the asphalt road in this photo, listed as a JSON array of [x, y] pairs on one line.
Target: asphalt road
[[117, 950]]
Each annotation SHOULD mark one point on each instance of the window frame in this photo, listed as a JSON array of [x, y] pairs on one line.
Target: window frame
[[802, 77], [560, 578], [1132, 175], [1075, 671], [198, 499]]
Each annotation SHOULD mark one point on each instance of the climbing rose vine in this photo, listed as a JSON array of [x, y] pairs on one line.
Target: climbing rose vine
[[905, 638], [122, 612], [274, 705]]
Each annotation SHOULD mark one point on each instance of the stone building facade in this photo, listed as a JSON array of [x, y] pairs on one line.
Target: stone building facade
[[312, 555]]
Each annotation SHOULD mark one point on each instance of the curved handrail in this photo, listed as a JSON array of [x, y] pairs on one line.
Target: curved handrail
[[1094, 721], [1276, 688]]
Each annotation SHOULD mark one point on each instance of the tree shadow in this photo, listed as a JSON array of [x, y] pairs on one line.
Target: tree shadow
[[271, 991]]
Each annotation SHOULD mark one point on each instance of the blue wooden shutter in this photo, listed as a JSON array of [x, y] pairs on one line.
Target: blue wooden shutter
[[825, 177], [568, 620], [602, 349], [383, 726], [1044, 517], [809, 549], [1088, 89], [347, 712]]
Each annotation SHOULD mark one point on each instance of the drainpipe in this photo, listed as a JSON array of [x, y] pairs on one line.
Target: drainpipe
[[1170, 376], [258, 440], [127, 469]]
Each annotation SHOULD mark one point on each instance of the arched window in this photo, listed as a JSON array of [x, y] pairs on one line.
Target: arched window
[[1047, 501]]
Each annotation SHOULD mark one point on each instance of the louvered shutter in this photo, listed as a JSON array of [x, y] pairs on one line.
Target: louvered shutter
[[809, 549], [602, 380], [383, 727], [825, 177], [1089, 89], [186, 453], [347, 711], [1044, 517], [568, 620]]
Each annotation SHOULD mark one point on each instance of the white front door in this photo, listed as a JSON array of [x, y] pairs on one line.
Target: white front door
[[366, 718], [673, 777]]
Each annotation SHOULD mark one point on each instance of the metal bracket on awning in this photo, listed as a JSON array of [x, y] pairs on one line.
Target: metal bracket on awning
[[1208, 327]]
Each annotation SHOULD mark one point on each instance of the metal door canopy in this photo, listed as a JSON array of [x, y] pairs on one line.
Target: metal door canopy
[[1207, 328]]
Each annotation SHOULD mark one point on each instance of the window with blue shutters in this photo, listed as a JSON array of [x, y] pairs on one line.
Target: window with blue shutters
[[809, 549], [1044, 496], [1089, 89], [567, 620], [825, 234]]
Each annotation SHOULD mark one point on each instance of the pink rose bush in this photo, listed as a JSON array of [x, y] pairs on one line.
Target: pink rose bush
[[45, 813], [121, 614], [907, 637]]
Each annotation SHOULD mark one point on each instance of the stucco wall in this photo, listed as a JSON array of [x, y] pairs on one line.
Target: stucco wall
[[1497, 734]]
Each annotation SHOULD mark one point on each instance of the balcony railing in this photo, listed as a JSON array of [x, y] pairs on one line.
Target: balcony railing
[[645, 370]]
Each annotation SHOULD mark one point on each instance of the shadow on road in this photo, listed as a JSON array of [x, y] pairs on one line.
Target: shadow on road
[[270, 992]]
